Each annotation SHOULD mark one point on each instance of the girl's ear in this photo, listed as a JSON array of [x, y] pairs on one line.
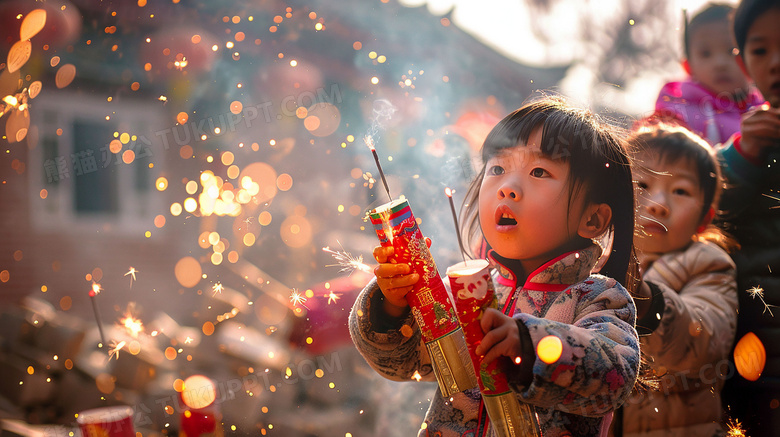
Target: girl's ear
[[706, 220], [686, 66], [595, 220]]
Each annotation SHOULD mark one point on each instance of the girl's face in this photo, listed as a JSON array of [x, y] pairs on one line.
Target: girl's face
[[712, 60], [524, 205], [670, 204]]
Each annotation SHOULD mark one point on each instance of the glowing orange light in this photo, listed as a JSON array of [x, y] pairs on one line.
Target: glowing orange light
[[750, 356], [549, 349], [198, 392]]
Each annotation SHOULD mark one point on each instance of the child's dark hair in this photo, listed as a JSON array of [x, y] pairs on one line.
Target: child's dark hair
[[674, 143], [600, 171], [746, 13], [710, 13]]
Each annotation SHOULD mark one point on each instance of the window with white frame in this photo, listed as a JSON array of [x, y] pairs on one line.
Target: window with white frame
[[96, 165]]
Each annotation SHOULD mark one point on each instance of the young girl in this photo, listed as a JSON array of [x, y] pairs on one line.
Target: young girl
[[554, 181], [689, 284], [712, 100]]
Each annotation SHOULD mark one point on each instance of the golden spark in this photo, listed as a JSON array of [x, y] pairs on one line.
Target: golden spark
[[163, 99], [416, 376], [735, 429], [188, 340], [347, 261], [297, 298], [759, 292], [131, 324], [369, 178], [132, 273], [332, 297], [114, 349], [96, 288], [217, 288], [180, 64]]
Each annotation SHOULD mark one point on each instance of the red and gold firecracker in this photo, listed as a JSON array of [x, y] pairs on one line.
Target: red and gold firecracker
[[396, 226], [473, 292]]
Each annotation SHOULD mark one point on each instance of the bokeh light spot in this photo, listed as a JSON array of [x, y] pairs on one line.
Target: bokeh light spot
[[284, 182], [296, 231], [128, 156], [115, 146], [264, 218], [549, 349], [188, 272], [65, 303], [161, 183]]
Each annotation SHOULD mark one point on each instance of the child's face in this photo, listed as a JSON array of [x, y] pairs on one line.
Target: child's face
[[711, 59], [524, 205], [670, 204], [762, 55]]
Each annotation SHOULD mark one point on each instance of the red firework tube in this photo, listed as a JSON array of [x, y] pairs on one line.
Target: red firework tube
[[396, 226], [473, 292]]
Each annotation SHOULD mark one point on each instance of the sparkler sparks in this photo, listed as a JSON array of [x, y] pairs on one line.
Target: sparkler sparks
[[95, 289], [369, 140], [217, 288], [332, 297], [759, 292], [735, 429], [346, 260], [297, 298], [773, 198], [114, 349], [131, 324], [132, 273]]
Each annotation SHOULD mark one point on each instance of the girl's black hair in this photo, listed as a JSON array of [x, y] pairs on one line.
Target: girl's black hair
[[710, 13], [673, 143], [746, 13], [600, 171]]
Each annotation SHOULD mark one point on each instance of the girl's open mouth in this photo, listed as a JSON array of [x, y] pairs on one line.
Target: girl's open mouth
[[504, 217]]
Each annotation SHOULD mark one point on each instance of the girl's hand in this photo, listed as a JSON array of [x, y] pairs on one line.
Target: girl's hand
[[502, 337], [394, 280], [760, 129]]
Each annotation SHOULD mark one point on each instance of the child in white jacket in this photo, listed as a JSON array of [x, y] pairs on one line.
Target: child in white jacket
[[689, 312]]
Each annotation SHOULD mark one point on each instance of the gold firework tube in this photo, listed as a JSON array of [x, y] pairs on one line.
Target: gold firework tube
[[395, 225], [473, 292]]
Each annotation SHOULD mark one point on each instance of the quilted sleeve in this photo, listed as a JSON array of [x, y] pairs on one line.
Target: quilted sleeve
[[599, 360], [700, 312], [392, 347]]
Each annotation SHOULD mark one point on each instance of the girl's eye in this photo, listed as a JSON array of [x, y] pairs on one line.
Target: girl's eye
[[758, 51], [681, 192], [496, 170], [539, 172]]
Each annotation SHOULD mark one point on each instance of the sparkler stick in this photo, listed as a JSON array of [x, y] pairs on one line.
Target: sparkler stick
[[92, 293], [449, 192], [369, 140]]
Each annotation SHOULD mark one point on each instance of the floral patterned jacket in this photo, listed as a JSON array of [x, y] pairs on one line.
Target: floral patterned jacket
[[592, 315]]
